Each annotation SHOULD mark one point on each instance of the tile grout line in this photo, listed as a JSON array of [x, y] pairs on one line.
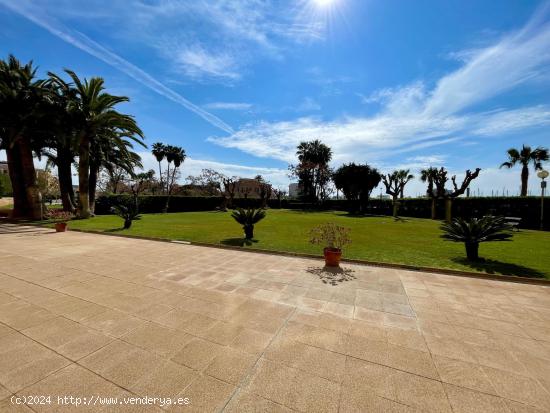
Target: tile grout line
[[252, 369]]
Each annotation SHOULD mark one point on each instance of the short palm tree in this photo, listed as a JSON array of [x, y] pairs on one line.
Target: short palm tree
[[472, 232], [247, 218], [526, 156]]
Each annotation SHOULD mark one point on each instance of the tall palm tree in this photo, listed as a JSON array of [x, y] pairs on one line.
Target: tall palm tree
[[314, 157], [96, 111], [526, 156], [159, 152], [22, 102], [176, 155], [429, 175]]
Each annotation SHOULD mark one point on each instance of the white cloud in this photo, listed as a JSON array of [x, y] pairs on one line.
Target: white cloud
[[241, 106], [199, 64], [79, 40], [414, 117]]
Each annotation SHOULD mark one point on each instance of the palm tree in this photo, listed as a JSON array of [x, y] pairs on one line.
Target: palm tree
[[526, 156], [429, 175], [95, 109], [247, 218], [176, 155], [475, 231], [22, 102], [159, 152], [314, 157]]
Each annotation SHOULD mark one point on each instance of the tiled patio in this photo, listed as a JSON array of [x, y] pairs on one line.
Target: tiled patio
[[87, 315]]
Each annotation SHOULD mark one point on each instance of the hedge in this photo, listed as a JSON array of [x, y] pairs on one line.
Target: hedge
[[527, 208], [5, 185]]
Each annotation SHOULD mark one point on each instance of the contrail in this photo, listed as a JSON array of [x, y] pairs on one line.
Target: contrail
[[88, 45]]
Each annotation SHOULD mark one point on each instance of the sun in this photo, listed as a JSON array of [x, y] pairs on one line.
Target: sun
[[323, 3]]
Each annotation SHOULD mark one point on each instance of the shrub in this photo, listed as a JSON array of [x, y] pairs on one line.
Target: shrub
[[247, 218], [58, 215], [129, 212], [472, 232], [330, 235]]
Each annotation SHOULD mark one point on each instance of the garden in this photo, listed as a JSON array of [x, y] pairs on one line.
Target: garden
[[409, 241]]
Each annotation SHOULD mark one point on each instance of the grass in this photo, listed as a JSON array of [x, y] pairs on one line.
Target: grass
[[409, 241]]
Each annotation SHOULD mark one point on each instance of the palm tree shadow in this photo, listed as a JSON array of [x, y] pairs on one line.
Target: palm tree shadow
[[239, 242], [332, 275], [114, 229], [498, 267]]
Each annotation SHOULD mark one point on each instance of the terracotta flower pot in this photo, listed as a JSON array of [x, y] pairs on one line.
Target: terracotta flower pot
[[332, 256], [60, 226]]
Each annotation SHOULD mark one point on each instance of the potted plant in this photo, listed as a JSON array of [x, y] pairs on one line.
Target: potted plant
[[60, 219], [333, 237]]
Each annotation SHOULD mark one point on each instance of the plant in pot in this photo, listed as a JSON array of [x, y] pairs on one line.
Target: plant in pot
[[473, 232], [60, 218], [334, 238], [247, 218]]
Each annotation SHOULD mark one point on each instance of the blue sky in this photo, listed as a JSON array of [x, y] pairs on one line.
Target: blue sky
[[238, 83]]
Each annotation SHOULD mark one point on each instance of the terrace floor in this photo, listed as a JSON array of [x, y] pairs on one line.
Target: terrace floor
[[96, 317]]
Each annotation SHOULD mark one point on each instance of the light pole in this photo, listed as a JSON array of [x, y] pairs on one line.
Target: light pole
[[542, 174]]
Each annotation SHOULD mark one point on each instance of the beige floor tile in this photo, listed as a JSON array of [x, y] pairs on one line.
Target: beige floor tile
[[369, 350], [366, 401], [461, 373], [453, 349], [157, 339], [206, 394], [67, 337], [365, 329], [317, 337], [246, 402], [222, 332], [519, 388], [113, 323], [365, 377], [469, 401], [411, 339], [8, 406], [412, 361], [251, 341], [166, 379], [198, 353], [21, 315], [314, 360], [231, 366], [419, 392]]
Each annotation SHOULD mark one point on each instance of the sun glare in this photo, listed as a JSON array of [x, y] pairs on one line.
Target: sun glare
[[323, 3]]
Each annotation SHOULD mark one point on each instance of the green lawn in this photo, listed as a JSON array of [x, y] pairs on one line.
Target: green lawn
[[410, 241]]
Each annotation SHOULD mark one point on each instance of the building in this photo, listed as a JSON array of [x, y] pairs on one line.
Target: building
[[248, 188], [294, 190], [4, 167]]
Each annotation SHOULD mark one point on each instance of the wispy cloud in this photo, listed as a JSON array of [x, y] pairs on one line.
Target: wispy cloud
[[199, 64], [241, 106], [79, 40], [413, 117]]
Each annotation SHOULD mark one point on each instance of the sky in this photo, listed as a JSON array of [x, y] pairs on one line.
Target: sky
[[239, 83]]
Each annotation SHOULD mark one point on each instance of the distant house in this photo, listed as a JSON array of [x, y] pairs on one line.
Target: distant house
[[248, 188], [294, 190], [4, 167]]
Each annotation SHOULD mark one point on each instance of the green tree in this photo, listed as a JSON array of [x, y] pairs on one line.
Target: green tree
[[22, 102], [526, 156], [357, 181], [158, 150], [313, 171], [395, 185], [96, 116]]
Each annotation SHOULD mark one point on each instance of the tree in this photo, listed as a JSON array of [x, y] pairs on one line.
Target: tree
[[247, 218], [475, 231], [524, 157], [356, 181], [96, 116], [209, 181], [395, 185], [159, 152], [437, 180], [176, 155], [279, 194], [313, 171], [265, 190], [229, 186], [22, 102], [428, 175]]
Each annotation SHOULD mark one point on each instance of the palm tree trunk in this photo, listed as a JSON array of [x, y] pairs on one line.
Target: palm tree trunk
[[64, 173], [524, 179], [160, 177], [94, 171], [448, 209], [32, 191], [83, 177], [18, 185], [472, 250], [433, 209]]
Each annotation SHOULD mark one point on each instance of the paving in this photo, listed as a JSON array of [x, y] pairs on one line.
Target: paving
[[116, 320]]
